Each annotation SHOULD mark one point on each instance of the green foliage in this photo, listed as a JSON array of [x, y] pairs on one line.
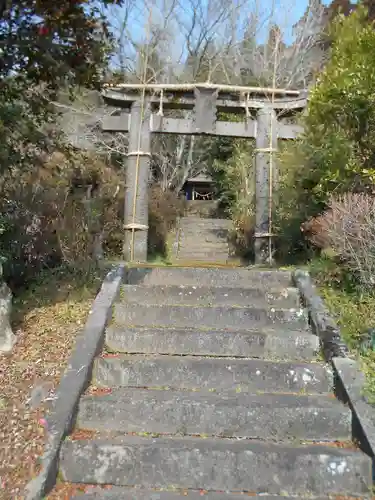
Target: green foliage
[[339, 141], [235, 184], [163, 212], [235, 181], [336, 153], [354, 312]]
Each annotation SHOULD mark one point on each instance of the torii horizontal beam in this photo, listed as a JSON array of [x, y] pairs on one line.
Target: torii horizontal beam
[[181, 87], [228, 102], [162, 125]]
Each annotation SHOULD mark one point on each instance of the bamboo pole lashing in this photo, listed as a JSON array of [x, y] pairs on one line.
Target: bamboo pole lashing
[[191, 86]]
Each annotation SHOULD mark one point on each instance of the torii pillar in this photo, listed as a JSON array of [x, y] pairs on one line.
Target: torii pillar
[[265, 175], [137, 183]]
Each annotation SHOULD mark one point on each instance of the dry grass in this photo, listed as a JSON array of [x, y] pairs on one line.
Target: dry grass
[[47, 318]]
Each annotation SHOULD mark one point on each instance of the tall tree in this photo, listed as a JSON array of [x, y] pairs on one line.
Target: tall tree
[[44, 46]]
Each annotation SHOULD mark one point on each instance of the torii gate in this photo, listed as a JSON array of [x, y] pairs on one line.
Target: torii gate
[[204, 100]]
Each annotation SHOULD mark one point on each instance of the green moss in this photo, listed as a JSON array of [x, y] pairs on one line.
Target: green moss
[[353, 311]]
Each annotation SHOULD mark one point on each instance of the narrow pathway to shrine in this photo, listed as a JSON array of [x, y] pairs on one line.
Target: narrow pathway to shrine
[[203, 240]]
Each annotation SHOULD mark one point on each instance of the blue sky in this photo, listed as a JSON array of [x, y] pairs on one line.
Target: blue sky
[[286, 14], [289, 12]]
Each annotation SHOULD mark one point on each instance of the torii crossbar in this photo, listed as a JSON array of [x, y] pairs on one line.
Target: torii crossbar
[[148, 109]]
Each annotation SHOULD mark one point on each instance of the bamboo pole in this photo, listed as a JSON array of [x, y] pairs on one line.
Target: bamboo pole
[[191, 86]]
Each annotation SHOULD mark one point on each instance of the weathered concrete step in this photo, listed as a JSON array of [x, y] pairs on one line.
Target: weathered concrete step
[[209, 254], [204, 252], [241, 278], [207, 317], [208, 236], [202, 259], [204, 227], [123, 493], [207, 221], [197, 243], [218, 296], [212, 237], [194, 223], [204, 249], [281, 344], [188, 256], [241, 375], [204, 246], [216, 464], [269, 417]]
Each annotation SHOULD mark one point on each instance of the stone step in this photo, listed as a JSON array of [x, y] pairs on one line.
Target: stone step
[[194, 373], [205, 221], [240, 277], [216, 464], [213, 237], [200, 224], [188, 258], [208, 239], [204, 225], [274, 417], [204, 236], [123, 493], [283, 345], [218, 296], [208, 257], [203, 251], [204, 228], [227, 317], [193, 244], [202, 261], [211, 255], [186, 250], [204, 247]]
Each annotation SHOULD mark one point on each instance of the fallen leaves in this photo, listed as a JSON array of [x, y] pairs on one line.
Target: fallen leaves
[[98, 391], [65, 491], [47, 320]]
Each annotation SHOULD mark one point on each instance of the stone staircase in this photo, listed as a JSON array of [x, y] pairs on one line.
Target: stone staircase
[[210, 385], [203, 240], [202, 208]]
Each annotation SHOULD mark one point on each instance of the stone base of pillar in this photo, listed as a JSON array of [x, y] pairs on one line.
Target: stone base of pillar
[[261, 250], [140, 246]]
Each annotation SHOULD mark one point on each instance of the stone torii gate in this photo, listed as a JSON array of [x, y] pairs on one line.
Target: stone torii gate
[[142, 114]]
